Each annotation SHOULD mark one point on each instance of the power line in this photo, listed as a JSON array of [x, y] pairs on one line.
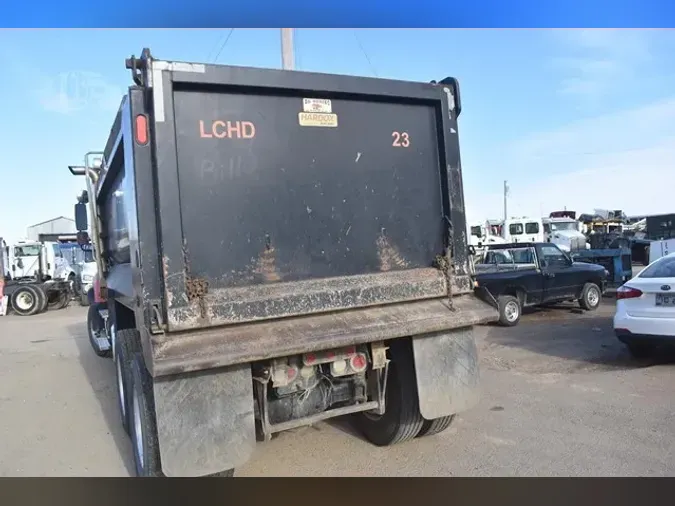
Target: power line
[[227, 38], [365, 53]]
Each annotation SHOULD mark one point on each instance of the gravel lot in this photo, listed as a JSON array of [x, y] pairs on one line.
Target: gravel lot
[[561, 397]]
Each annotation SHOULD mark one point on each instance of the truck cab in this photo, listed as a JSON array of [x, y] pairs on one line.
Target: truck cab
[[480, 235], [28, 258], [523, 230], [565, 233]]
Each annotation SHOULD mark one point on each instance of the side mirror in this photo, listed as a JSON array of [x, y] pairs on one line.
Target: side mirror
[[81, 222]]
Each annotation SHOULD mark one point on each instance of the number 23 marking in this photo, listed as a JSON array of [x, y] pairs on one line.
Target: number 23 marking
[[401, 140]]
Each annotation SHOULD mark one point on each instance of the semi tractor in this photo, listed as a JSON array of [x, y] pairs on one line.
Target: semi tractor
[[278, 248]]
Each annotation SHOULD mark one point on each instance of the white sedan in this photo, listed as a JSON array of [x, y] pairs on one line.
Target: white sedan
[[645, 308]]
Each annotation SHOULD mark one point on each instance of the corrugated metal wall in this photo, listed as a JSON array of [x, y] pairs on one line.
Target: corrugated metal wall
[[57, 226]]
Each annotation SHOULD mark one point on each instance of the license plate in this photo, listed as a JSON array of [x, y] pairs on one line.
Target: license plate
[[665, 299]]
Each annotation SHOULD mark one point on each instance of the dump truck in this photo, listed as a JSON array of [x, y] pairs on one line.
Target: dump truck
[[278, 248]]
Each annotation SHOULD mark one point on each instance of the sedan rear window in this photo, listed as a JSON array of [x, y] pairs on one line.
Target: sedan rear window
[[663, 268]]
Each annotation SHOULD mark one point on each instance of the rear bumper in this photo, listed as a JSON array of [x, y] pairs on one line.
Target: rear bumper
[[628, 337], [631, 328], [179, 352]]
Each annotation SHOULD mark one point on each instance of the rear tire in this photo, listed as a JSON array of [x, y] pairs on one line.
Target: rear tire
[[126, 346], [590, 297], [57, 299], [435, 426], [26, 300], [402, 420], [44, 301], [510, 310], [144, 439], [96, 325]]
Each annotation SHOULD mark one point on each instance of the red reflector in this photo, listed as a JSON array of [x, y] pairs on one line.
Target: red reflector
[[627, 292], [141, 129], [358, 362]]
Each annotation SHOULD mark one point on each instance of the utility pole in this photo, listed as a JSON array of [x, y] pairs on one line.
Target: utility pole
[[287, 52], [506, 194]]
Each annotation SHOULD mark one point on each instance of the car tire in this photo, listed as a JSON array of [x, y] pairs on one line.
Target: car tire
[[96, 324], [224, 474], [639, 350], [435, 426], [401, 420], [26, 300], [590, 297], [510, 310], [127, 344]]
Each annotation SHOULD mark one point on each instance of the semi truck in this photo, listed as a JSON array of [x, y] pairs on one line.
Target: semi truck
[[278, 248], [27, 276]]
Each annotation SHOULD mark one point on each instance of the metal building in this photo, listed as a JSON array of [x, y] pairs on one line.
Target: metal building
[[52, 230]]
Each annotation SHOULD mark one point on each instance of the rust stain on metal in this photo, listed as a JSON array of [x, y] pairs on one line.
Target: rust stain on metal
[[266, 264], [218, 347], [196, 288], [390, 258]]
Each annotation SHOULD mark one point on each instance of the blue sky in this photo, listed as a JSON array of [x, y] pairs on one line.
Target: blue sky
[[580, 119]]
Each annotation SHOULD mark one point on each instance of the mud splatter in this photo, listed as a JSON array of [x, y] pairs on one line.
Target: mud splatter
[[390, 258]]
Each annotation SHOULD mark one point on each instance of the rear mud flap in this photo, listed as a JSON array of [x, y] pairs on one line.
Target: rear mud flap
[[446, 366], [205, 420]]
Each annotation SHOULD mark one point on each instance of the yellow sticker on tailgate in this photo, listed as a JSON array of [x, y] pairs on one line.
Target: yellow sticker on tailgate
[[316, 119]]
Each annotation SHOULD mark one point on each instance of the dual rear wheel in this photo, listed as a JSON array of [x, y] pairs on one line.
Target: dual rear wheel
[[135, 399], [402, 420], [29, 299]]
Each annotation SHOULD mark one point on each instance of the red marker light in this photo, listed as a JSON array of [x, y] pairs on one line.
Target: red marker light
[[359, 362], [141, 129]]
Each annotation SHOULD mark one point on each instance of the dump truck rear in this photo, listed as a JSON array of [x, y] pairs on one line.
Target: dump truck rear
[[280, 248]]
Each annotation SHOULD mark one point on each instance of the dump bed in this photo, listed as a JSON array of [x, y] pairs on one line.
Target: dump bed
[[294, 193], [262, 195]]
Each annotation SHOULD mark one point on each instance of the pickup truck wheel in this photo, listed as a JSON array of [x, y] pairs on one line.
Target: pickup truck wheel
[[402, 420], [590, 297], [126, 346], [96, 330], [26, 300], [509, 310], [431, 427], [144, 437]]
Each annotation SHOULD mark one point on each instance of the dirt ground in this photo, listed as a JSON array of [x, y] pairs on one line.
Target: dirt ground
[[561, 396]]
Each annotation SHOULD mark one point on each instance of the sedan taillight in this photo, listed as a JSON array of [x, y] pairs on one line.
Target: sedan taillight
[[627, 292]]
